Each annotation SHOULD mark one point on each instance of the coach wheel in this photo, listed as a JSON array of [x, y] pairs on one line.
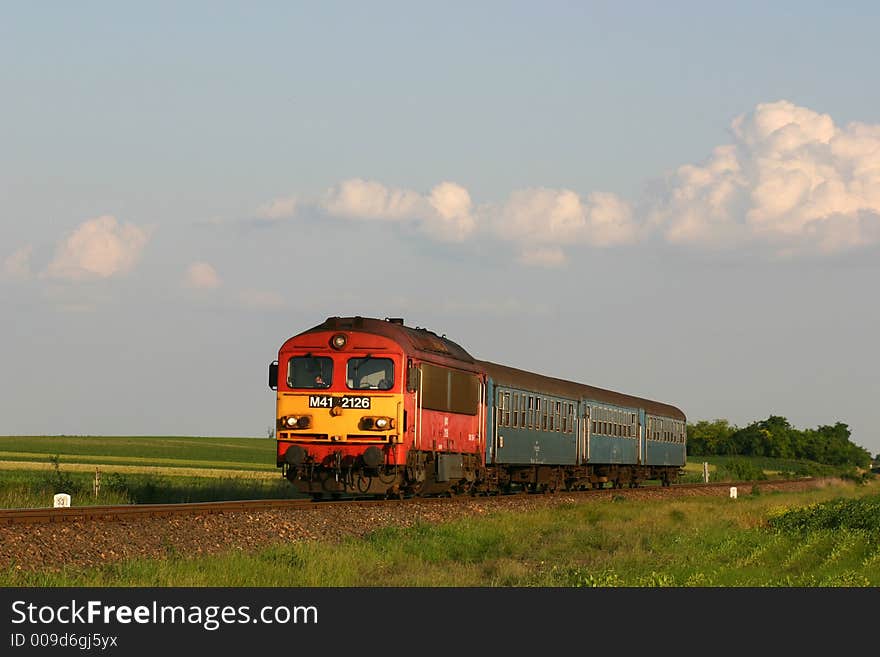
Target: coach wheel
[[363, 483]]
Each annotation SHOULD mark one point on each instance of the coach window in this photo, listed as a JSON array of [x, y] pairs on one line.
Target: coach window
[[514, 410], [370, 373], [309, 372], [505, 409]]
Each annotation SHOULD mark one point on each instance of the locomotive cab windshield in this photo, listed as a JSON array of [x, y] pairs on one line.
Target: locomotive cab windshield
[[309, 372], [370, 373]]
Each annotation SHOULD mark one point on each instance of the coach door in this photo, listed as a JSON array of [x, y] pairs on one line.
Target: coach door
[[583, 450], [643, 438]]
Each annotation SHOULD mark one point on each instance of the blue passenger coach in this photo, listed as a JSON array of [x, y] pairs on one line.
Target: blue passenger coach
[[543, 432]]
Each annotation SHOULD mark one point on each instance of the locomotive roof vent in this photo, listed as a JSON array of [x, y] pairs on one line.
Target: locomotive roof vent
[[394, 320]]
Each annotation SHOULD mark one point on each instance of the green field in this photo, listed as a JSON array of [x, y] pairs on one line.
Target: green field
[[172, 451], [137, 469]]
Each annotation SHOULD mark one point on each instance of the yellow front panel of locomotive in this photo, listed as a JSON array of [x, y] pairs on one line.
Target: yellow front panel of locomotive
[[340, 417]]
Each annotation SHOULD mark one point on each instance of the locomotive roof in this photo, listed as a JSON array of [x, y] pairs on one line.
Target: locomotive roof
[[513, 377], [420, 340]]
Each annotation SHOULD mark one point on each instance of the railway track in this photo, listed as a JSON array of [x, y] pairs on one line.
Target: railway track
[[131, 512]]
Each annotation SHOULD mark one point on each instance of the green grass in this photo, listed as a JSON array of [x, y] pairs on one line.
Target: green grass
[[684, 542]]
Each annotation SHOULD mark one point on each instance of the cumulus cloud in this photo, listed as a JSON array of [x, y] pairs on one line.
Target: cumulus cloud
[[542, 221], [279, 208], [445, 213], [200, 276], [366, 199], [18, 265], [452, 217], [98, 248], [530, 217], [791, 179]]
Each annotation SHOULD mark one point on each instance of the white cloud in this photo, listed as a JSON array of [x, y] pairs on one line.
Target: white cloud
[[364, 199], [539, 215], [201, 275], [18, 265], [609, 220], [445, 214], [98, 248], [791, 179], [452, 218], [561, 217], [279, 208]]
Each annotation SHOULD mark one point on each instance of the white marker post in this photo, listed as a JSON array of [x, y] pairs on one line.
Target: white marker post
[[62, 500], [733, 492]]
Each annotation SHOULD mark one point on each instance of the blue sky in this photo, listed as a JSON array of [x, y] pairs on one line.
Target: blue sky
[[675, 200]]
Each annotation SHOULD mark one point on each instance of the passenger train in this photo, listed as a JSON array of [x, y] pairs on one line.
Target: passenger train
[[372, 407]]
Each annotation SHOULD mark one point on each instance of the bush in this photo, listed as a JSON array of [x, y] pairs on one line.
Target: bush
[[738, 470], [851, 514], [58, 481]]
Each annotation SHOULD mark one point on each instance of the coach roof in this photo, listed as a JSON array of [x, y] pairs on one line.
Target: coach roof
[[514, 378]]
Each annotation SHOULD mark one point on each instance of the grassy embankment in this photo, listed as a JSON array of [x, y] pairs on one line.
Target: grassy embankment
[[826, 537], [757, 540]]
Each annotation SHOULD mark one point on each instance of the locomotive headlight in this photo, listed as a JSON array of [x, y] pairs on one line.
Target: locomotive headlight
[[377, 423], [297, 421], [338, 341]]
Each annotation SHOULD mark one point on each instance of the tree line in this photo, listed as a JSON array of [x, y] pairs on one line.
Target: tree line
[[775, 437]]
